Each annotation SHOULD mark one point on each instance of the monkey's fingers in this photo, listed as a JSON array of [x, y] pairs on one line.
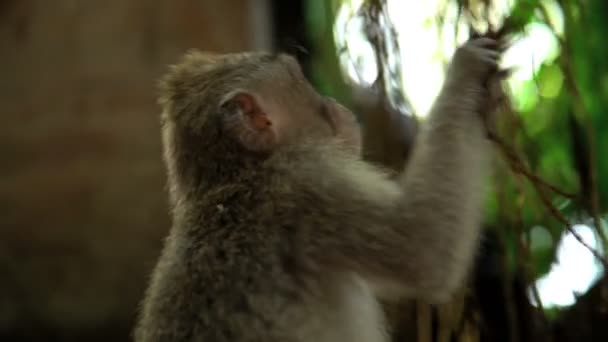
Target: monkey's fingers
[[486, 48], [488, 56]]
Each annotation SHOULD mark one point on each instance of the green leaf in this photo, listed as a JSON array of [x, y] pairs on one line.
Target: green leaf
[[550, 81]]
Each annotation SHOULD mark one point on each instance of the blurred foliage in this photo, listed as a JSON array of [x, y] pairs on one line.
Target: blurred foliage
[[558, 126], [561, 119], [325, 66]]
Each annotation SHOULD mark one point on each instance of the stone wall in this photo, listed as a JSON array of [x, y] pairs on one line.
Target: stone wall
[[82, 204]]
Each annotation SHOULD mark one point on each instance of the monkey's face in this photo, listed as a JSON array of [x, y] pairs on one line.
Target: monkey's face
[[263, 101]]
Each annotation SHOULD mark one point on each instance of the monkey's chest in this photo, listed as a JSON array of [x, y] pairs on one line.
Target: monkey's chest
[[350, 313]]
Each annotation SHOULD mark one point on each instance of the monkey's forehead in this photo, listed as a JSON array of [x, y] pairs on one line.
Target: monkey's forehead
[[198, 70], [252, 58]]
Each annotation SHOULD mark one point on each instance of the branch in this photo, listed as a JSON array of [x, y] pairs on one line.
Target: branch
[[518, 166], [539, 185]]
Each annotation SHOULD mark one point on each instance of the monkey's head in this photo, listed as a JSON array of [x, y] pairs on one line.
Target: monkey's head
[[227, 108]]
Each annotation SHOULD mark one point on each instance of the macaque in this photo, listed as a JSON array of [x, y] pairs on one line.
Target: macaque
[[281, 232]]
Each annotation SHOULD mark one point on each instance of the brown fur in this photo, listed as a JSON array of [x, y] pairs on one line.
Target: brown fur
[[293, 241]]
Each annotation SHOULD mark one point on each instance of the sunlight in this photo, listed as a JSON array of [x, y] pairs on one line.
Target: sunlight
[[426, 46], [574, 271], [535, 47], [359, 64], [421, 55]]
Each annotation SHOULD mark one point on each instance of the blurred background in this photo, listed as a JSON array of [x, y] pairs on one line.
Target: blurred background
[[83, 208]]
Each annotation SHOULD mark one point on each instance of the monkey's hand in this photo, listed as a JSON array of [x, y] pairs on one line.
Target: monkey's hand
[[475, 80], [474, 62], [472, 66]]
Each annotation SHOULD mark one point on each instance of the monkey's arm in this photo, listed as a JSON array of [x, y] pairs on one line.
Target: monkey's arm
[[415, 240], [419, 238]]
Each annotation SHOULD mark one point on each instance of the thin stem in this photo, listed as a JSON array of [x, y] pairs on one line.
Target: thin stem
[[517, 166]]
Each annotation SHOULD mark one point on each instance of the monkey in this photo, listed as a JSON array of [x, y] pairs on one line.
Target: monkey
[[281, 231]]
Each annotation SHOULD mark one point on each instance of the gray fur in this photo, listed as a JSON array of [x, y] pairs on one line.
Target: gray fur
[[295, 245]]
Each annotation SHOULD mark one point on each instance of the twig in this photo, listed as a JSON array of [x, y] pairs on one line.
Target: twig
[[539, 185], [560, 217], [519, 167]]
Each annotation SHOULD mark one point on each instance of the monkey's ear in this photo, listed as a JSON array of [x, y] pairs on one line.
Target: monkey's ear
[[255, 126]]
